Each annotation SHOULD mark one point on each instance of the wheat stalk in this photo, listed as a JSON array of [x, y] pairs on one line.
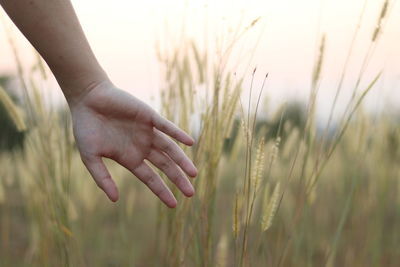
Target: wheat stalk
[[380, 20], [270, 208], [275, 150], [13, 111], [259, 165]]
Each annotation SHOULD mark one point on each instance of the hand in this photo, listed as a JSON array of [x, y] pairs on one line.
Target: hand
[[111, 123]]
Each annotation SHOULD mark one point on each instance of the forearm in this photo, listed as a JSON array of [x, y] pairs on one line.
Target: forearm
[[54, 30]]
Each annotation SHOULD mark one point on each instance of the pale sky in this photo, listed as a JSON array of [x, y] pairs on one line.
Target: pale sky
[[123, 34]]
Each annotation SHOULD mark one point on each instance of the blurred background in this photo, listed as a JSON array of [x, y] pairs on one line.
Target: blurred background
[[125, 34], [297, 169]]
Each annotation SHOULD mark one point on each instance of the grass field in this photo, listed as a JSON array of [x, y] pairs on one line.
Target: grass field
[[282, 189]]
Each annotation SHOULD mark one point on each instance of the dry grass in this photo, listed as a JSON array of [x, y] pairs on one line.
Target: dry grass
[[299, 197]]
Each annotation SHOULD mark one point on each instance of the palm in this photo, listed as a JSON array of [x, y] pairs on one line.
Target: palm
[[113, 124]]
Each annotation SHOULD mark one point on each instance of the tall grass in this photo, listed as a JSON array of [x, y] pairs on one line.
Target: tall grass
[[269, 193]]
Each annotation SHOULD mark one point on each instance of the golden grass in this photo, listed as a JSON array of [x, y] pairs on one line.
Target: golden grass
[[14, 111], [297, 197]]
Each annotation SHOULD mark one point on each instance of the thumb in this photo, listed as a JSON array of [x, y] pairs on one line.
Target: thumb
[[101, 176]]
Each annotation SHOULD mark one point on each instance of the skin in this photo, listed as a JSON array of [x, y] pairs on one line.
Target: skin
[[108, 122]]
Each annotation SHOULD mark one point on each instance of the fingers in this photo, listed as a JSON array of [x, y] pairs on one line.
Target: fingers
[[155, 183], [168, 146], [172, 130], [101, 176], [173, 172]]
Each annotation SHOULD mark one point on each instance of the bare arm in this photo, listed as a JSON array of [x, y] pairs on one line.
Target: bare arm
[[107, 121], [54, 30]]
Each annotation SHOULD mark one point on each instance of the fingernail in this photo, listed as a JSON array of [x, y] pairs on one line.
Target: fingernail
[[172, 204], [194, 172], [189, 190], [191, 141]]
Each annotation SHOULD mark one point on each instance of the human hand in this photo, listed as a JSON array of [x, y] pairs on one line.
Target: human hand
[[111, 123]]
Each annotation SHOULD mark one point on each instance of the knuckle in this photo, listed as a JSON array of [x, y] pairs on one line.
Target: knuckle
[[168, 148], [165, 165], [160, 191], [150, 180], [100, 181], [181, 160], [174, 133], [180, 182], [178, 179]]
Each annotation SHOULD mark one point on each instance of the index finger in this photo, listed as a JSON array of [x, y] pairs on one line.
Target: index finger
[[172, 130]]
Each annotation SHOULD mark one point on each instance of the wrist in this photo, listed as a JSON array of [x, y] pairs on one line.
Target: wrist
[[77, 87]]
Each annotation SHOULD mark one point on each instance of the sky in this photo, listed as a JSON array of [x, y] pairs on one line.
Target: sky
[[124, 34]]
